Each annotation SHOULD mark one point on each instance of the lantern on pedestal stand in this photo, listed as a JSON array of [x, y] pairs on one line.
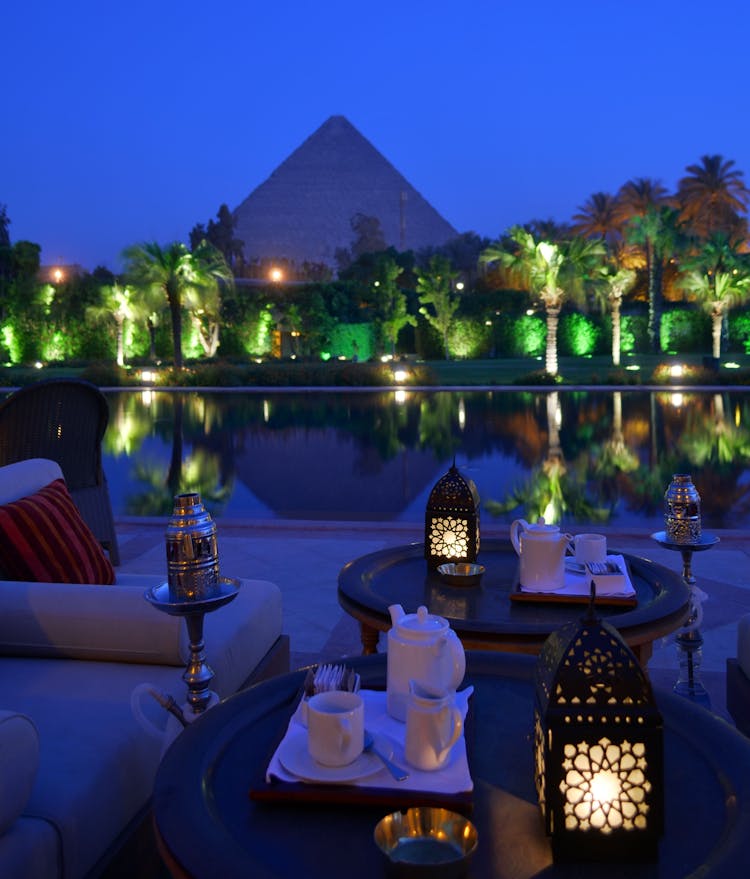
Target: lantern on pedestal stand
[[598, 742], [451, 523]]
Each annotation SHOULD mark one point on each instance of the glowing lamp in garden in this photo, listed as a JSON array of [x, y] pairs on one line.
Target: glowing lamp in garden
[[451, 529], [598, 747]]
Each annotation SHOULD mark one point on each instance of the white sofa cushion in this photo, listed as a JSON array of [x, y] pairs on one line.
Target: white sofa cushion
[[25, 477], [19, 762], [116, 623]]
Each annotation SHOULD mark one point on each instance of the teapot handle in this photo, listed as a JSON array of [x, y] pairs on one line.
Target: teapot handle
[[515, 527]]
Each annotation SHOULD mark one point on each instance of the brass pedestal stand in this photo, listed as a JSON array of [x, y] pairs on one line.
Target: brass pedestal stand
[[198, 674], [689, 639]]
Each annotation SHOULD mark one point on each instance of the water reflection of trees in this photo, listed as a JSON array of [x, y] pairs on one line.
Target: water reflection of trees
[[588, 456]]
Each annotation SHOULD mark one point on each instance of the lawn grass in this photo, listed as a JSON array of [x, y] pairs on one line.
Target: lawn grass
[[583, 370], [502, 371]]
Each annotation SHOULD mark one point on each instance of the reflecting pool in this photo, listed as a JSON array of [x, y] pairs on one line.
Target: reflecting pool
[[573, 456]]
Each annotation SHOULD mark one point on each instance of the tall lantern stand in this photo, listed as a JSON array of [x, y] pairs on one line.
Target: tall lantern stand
[[598, 746], [683, 533], [451, 523]]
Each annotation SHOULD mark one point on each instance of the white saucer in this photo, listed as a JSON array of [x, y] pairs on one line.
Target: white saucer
[[295, 758]]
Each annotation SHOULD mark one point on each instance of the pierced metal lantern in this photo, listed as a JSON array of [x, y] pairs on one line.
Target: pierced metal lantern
[[451, 522], [598, 742]]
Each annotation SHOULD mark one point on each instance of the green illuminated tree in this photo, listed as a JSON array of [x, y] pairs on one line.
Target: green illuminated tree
[[717, 277], [177, 273], [436, 297], [116, 306], [650, 224], [551, 272], [389, 303], [616, 284]]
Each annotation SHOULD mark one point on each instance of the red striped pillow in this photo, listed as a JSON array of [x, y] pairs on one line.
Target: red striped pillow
[[43, 538]]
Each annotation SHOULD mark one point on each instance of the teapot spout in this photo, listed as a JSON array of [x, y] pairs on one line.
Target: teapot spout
[[396, 612]]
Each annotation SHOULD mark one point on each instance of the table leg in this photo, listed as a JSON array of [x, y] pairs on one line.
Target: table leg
[[370, 637]]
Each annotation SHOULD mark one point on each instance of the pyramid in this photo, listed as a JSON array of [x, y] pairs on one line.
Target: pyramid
[[303, 211]]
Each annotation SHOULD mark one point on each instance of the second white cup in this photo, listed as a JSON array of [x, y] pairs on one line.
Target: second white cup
[[335, 727], [590, 548]]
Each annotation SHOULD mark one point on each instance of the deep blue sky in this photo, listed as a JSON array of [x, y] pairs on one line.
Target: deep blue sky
[[131, 122]]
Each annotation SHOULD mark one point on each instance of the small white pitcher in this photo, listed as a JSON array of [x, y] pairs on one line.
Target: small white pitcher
[[433, 725]]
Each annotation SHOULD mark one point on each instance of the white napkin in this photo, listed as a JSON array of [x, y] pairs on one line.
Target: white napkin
[[453, 778], [615, 585]]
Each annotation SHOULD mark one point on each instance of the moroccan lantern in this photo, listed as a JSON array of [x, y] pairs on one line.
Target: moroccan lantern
[[598, 742], [451, 522]]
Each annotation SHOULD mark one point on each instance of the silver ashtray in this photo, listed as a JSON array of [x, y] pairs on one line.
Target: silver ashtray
[[426, 842], [461, 573]]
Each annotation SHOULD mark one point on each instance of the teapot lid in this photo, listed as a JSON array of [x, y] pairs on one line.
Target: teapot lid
[[541, 527], [422, 623]]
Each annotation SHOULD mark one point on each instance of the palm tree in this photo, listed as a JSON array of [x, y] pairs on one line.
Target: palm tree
[[616, 284], [657, 231], [436, 298], [638, 199], [712, 197], [176, 272], [718, 278], [600, 216], [544, 268]]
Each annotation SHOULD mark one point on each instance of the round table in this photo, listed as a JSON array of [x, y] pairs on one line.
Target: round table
[[484, 617], [208, 826]]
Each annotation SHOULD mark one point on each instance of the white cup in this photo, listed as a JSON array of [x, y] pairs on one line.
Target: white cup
[[433, 725], [335, 727], [590, 548]]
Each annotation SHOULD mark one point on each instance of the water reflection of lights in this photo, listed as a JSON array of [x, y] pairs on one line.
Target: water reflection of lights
[[266, 411], [677, 400], [147, 397], [461, 413], [731, 365], [633, 367], [737, 416], [558, 414], [400, 396]]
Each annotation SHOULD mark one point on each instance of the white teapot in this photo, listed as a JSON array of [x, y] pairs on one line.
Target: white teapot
[[421, 647], [541, 549]]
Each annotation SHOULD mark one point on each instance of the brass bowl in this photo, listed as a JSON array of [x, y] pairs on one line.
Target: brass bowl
[[426, 842], [461, 573]]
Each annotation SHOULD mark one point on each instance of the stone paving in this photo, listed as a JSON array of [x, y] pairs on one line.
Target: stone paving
[[304, 559]]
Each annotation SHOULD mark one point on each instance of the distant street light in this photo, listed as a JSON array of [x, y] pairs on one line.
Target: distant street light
[[276, 275]]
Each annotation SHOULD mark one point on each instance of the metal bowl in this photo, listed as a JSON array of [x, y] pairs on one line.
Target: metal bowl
[[461, 573], [426, 842]]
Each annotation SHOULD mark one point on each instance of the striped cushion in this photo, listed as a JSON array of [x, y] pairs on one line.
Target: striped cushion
[[44, 539]]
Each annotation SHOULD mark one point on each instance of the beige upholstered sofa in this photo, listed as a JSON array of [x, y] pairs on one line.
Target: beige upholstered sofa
[[76, 765]]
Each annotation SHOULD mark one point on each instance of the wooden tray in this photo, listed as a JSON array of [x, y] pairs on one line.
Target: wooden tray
[[566, 598], [390, 798]]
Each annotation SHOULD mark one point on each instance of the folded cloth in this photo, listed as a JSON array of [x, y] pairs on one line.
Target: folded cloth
[[453, 778], [579, 582]]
